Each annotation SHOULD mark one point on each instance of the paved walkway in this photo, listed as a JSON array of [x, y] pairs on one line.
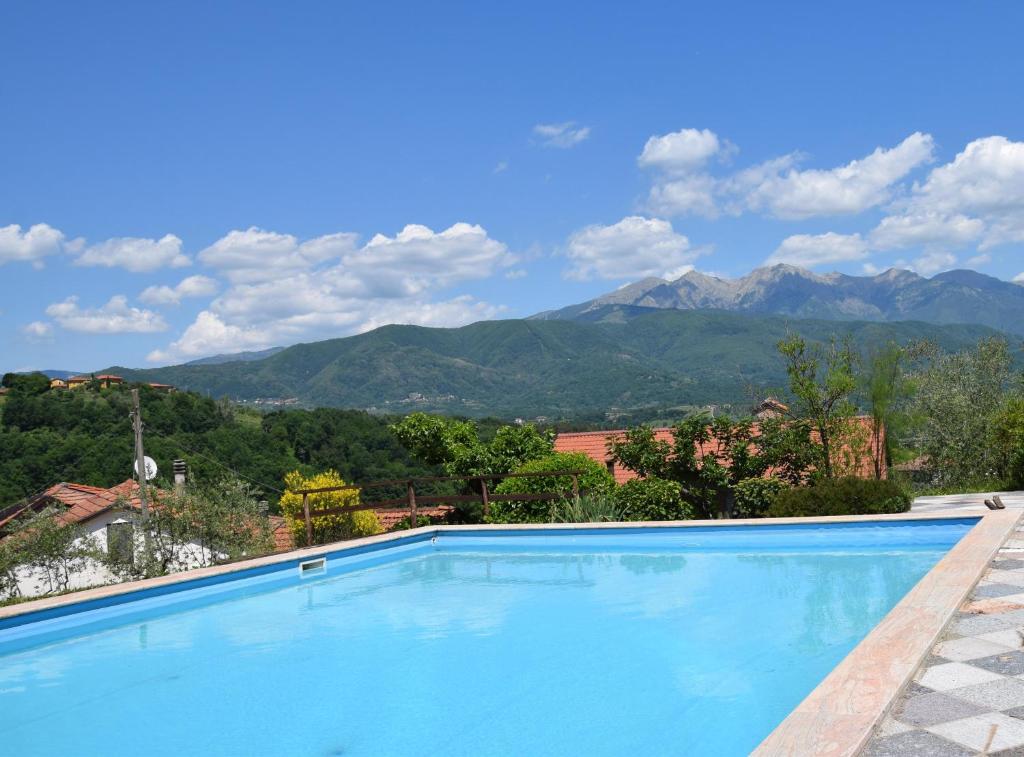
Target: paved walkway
[[968, 696]]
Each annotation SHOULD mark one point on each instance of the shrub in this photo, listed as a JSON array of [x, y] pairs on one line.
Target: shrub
[[602, 507], [841, 496], [329, 527], [594, 479], [653, 498], [754, 496]]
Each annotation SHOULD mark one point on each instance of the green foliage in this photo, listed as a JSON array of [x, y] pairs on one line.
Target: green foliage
[[841, 496], [956, 406], [85, 436], [652, 499], [26, 384], [327, 528], [201, 526], [755, 496], [645, 359], [47, 544], [707, 458], [886, 389], [594, 479], [1008, 441], [821, 380], [598, 507], [457, 447]]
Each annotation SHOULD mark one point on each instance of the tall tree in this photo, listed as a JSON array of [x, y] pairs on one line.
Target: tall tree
[[956, 401], [821, 380], [885, 387]]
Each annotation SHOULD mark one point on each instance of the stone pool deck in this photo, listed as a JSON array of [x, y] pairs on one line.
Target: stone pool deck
[[967, 698]]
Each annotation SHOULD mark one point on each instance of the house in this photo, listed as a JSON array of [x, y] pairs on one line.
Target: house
[[105, 516], [594, 444], [77, 382], [58, 383], [107, 380], [166, 388]]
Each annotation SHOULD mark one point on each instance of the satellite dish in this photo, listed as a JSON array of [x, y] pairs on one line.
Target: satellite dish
[[150, 464]]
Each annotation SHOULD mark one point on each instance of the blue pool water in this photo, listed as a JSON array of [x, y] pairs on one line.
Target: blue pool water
[[634, 641]]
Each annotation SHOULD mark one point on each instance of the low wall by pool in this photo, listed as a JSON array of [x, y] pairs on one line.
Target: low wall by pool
[[834, 718]]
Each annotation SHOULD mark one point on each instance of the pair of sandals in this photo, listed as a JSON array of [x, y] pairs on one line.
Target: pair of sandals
[[996, 503]]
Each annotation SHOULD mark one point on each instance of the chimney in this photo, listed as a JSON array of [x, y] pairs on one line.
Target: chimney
[[179, 468]]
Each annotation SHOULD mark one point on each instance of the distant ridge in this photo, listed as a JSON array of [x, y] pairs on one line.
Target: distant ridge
[[236, 357], [606, 362], [896, 295]]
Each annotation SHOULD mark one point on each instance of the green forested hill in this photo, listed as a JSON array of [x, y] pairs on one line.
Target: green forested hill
[[85, 436], [614, 358]]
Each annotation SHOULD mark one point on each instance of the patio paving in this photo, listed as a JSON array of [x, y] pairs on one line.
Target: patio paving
[[968, 696]]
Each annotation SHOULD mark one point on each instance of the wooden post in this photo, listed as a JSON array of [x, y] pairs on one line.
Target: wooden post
[[140, 455], [485, 497], [411, 493], [576, 488], [309, 522]]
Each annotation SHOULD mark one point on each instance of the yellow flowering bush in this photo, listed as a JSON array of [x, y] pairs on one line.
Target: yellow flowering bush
[[326, 528]]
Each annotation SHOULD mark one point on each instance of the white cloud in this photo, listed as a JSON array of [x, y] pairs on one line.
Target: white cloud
[[687, 195], [285, 290], [38, 330], [926, 229], [563, 135], [115, 317], [810, 250], [934, 262], [518, 273], [1019, 278], [845, 190], [979, 260], [774, 187], [257, 255], [135, 254], [501, 167], [193, 286], [633, 248], [31, 245], [680, 151]]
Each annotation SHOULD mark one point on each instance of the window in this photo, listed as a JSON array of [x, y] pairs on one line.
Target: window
[[121, 542]]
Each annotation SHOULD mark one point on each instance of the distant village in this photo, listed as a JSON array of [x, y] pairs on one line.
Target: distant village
[[101, 381]]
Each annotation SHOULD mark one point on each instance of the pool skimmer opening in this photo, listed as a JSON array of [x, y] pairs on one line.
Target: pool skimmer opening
[[313, 567]]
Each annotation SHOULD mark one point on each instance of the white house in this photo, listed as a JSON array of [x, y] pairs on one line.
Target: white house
[[106, 518]]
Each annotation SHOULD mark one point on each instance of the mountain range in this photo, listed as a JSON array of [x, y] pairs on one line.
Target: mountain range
[[896, 295], [608, 361]]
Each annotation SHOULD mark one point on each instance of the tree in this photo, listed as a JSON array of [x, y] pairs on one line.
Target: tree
[[594, 479], [956, 402], [821, 380], [456, 445], [885, 388], [326, 528], [52, 546], [709, 458]]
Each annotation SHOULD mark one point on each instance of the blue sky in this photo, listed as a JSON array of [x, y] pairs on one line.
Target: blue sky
[[186, 179]]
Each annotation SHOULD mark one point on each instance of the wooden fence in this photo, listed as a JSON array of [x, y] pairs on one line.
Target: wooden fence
[[410, 500]]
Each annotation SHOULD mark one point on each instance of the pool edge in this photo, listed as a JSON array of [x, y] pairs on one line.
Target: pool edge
[[199, 574], [838, 717]]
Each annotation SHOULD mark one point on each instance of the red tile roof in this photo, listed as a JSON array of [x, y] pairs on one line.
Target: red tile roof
[[594, 444], [390, 518]]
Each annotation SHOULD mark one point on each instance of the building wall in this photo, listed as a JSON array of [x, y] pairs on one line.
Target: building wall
[[32, 582]]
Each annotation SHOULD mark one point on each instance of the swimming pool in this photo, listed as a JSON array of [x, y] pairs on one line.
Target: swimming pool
[[658, 640]]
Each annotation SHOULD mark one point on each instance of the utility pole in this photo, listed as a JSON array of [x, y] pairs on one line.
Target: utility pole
[[140, 456]]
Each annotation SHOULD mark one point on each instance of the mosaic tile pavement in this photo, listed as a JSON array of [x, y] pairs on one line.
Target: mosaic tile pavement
[[968, 696]]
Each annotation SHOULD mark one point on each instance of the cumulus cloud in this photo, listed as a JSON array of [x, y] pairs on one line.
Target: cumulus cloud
[[563, 135], [845, 190], [257, 255], [682, 150], [37, 331], [1019, 278], [776, 187], [284, 290], [31, 245], [115, 317], [810, 250], [135, 254], [630, 249], [192, 286]]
